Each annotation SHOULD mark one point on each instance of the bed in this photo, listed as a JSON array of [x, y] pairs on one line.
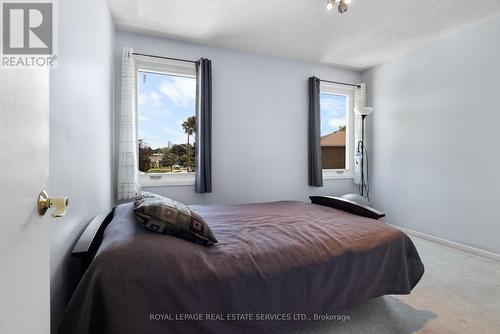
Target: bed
[[277, 266]]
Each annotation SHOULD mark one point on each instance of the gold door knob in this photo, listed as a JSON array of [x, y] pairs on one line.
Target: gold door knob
[[45, 202]]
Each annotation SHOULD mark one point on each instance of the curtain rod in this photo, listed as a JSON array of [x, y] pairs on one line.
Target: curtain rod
[[342, 83], [161, 57]]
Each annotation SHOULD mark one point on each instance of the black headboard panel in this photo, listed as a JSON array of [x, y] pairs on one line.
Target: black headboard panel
[[348, 206], [91, 238]]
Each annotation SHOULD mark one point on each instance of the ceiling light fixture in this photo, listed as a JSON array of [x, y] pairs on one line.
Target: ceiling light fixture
[[329, 4], [343, 5]]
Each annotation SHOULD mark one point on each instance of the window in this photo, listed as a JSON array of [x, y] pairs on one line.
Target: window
[[337, 135], [166, 101]]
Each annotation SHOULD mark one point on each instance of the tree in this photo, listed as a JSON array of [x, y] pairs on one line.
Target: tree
[[185, 155], [189, 126], [144, 153], [169, 160], [178, 150], [164, 150], [342, 128], [191, 162], [184, 161]]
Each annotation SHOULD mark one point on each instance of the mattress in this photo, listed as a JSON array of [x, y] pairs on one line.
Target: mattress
[[277, 266]]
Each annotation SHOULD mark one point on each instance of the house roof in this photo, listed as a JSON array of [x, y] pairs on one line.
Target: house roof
[[336, 138]]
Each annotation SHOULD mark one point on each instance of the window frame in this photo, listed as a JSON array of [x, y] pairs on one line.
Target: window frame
[[348, 91], [172, 68]]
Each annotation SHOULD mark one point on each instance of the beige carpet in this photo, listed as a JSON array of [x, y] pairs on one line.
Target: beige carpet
[[459, 293]]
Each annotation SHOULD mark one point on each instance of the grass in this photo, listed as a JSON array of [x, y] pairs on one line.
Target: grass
[[159, 170], [165, 170]]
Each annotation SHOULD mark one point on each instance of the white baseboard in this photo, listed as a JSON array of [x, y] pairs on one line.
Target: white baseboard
[[452, 244]]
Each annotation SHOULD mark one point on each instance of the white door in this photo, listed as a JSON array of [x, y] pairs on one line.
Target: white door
[[24, 172]]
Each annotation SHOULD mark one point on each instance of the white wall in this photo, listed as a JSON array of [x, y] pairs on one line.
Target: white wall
[[259, 122], [80, 133], [435, 154]]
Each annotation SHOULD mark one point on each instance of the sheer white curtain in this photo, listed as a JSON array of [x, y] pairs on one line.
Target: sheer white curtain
[[359, 102], [128, 184]]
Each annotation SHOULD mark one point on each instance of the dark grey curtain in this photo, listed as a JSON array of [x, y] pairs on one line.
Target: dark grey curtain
[[315, 170], [203, 175]]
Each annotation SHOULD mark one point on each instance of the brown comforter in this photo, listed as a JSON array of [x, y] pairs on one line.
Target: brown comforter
[[276, 265]]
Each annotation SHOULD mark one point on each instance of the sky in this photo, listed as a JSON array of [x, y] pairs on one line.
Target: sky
[[164, 102], [333, 112]]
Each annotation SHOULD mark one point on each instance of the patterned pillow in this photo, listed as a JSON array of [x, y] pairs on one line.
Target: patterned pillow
[[163, 215]]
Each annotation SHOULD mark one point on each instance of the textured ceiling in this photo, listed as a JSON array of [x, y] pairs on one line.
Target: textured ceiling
[[370, 33]]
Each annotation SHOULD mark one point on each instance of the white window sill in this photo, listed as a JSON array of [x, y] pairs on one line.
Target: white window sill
[[166, 180], [332, 174], [187, 179]]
